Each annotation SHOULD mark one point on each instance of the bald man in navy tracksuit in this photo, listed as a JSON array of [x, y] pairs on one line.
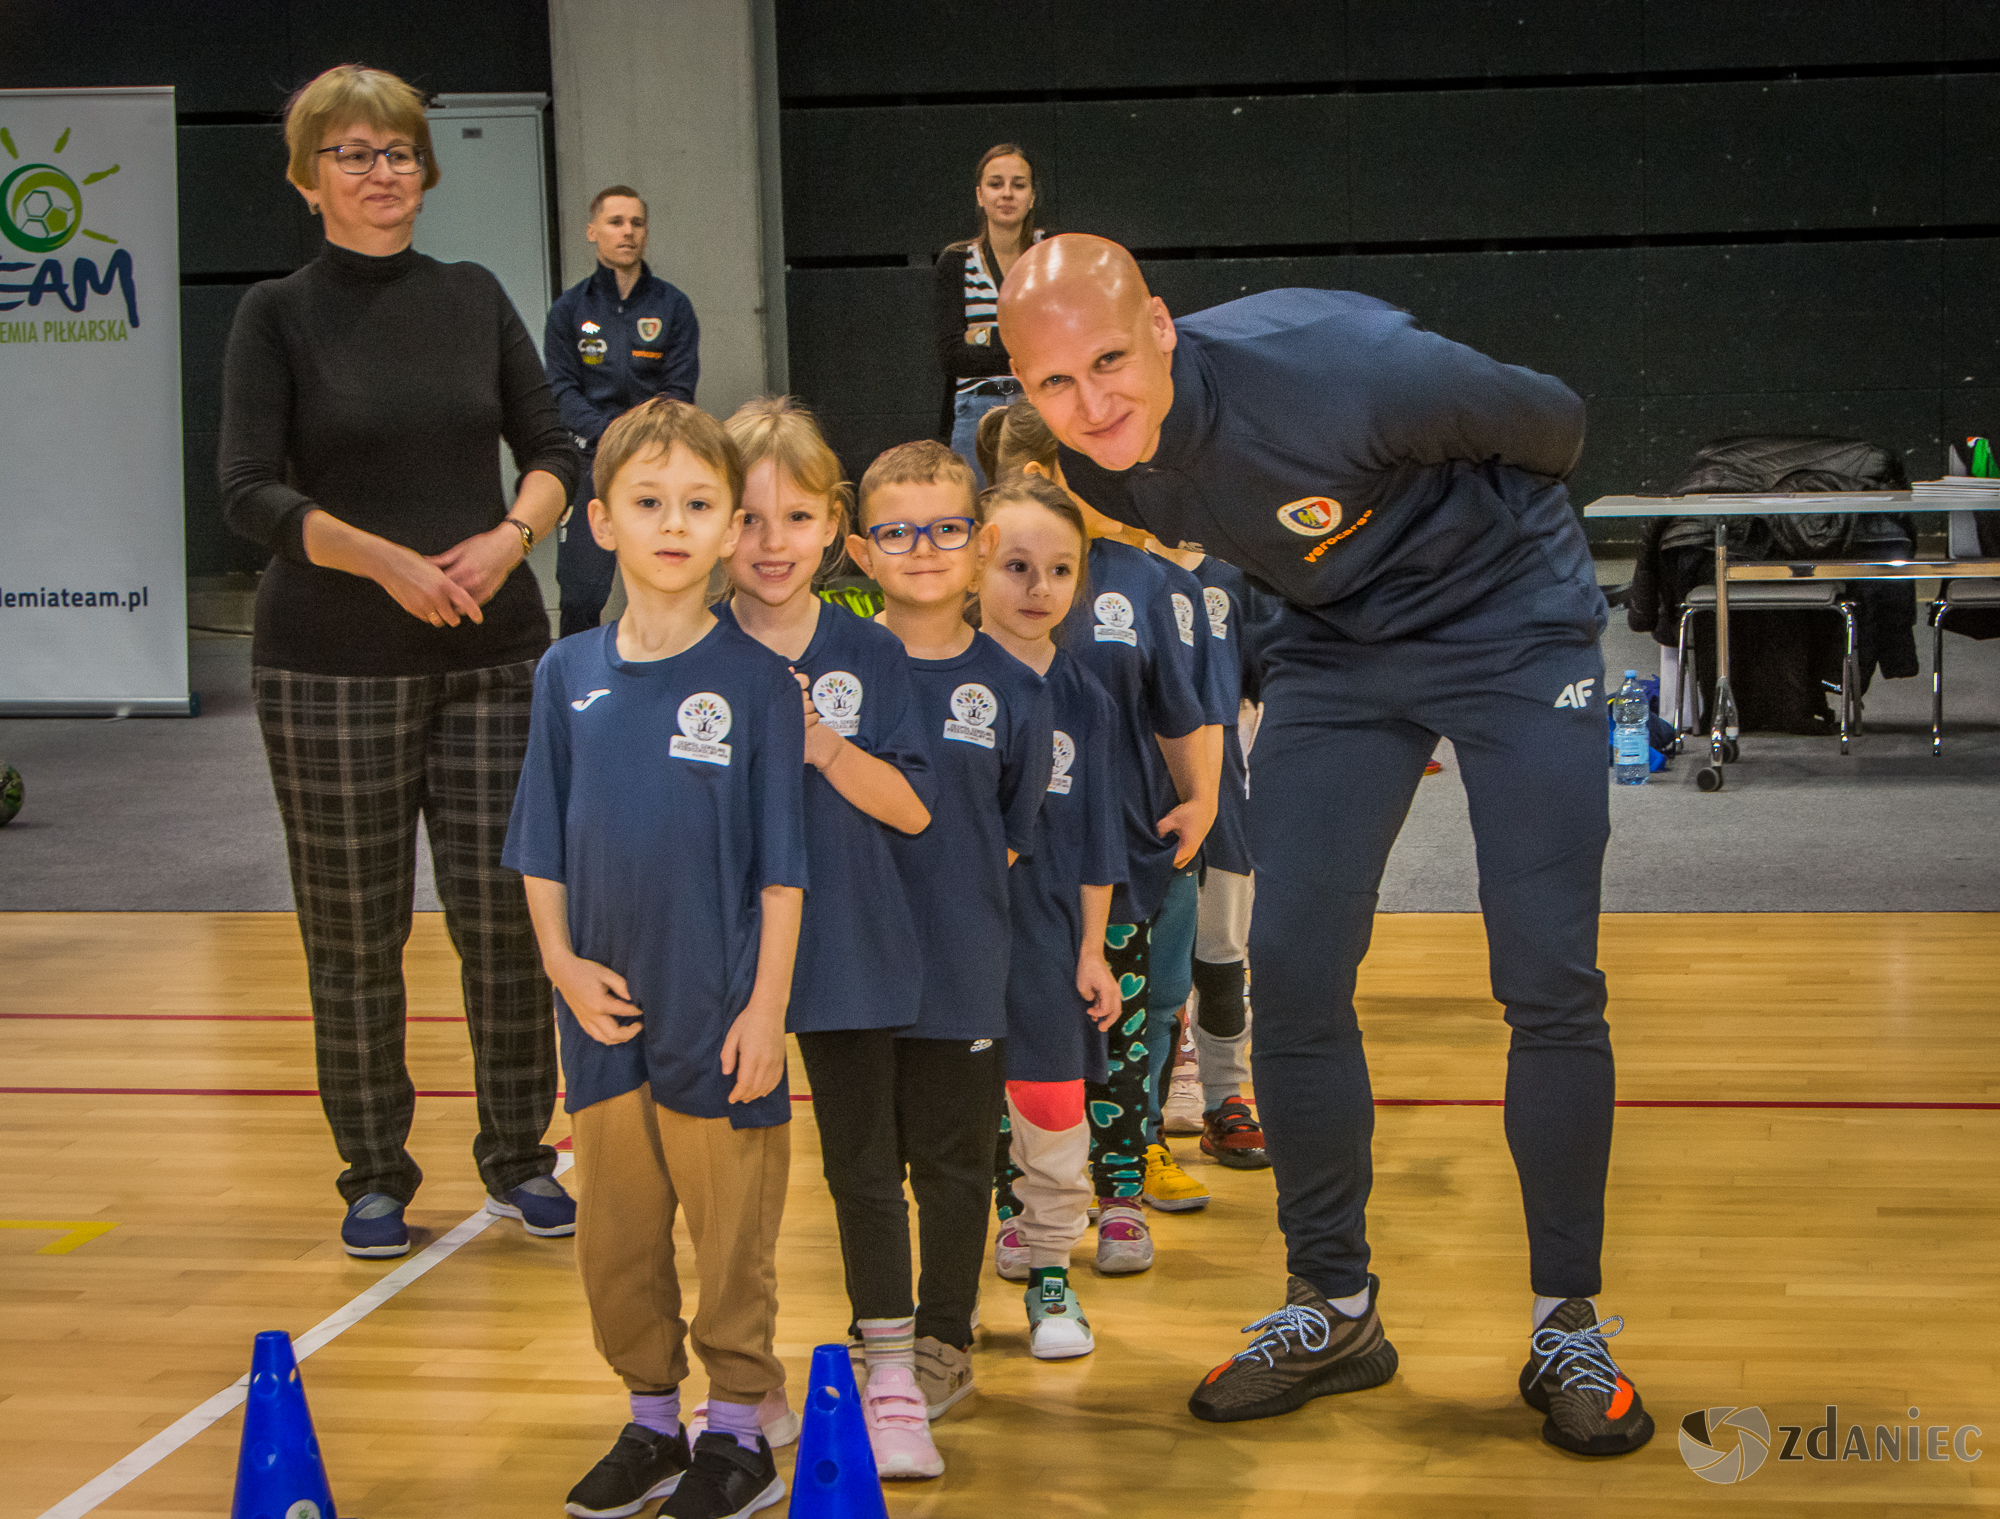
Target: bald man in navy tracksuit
[[1403, 495]]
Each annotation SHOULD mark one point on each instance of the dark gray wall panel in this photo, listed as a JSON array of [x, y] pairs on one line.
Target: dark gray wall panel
[[1197, 42], [1971, 31], [1788, 316], [206, 314], [229, 55], [861, 339], [913, 47], [1206, 173], [1905, 420], [1748, 34], [1465, 39], [1972, 149], [1969, 414], [857, 437], [880, 180], [238, 212], [1467, 164], [498, 45], [1971, 324], [1822, 153], [1190, 285], [1614, 454]]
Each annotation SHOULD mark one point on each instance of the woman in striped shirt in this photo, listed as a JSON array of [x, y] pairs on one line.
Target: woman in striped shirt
[[965, 290]]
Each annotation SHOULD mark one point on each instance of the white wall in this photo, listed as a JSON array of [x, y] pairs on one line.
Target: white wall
[[664, 95]]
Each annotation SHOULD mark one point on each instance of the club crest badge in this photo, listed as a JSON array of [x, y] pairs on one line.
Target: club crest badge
[[649, 328], [705, 720], [1313, 517], [1184, 618], [1060, 779], [973, 709], [837, 699], [1216, 601], [1114, 619]]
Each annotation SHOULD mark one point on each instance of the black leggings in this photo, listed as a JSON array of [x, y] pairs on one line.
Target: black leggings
[[929, 1106]]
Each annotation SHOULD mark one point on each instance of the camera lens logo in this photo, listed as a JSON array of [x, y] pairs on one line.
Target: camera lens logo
[[1725, 1444], [40, 208]]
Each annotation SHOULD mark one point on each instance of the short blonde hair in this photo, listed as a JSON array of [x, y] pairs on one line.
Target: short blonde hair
[[347, 93], [655, 426], [925, 462], [784, 430]]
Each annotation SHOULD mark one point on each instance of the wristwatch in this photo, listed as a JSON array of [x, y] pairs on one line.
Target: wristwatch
[[527, 533]]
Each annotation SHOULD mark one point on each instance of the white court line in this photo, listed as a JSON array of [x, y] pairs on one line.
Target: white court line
[[226, 1402]]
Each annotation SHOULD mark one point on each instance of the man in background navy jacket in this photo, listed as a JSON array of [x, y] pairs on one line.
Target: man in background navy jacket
[[622, 336], [1403, 495]]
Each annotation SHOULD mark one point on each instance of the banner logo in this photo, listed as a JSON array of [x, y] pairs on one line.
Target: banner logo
[[1725, 1444], [41, 210]]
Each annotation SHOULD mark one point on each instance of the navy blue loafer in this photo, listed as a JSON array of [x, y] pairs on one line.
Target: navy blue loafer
[[543, 1208], [374, 1227]]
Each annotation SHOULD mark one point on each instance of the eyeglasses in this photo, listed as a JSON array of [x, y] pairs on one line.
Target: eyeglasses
[[945, 534], [354, 158]]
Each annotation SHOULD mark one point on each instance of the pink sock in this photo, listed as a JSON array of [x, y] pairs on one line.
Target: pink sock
[[738, 1419], [658, 1411]]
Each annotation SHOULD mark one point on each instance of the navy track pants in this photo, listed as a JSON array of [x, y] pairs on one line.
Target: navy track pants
[[1346, 731]]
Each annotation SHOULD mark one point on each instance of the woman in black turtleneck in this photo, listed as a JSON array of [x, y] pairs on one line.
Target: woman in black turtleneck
[[397, 633]]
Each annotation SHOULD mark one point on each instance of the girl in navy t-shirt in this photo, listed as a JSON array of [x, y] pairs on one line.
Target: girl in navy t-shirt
[[1061, 995], [867, 776], [988, 733]]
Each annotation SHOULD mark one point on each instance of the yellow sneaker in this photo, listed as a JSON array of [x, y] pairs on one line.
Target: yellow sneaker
[[1168, 1187]]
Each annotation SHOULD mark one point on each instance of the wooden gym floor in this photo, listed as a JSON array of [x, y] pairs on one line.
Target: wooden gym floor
[[1804, 1210]]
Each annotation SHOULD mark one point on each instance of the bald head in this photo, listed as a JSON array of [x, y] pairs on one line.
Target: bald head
[[1091, 346]]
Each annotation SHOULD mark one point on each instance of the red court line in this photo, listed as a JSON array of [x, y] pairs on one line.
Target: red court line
[[208, 1017], [1380, 1102]]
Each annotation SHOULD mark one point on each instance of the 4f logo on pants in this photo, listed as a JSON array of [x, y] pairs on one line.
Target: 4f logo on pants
[[1576, 695]]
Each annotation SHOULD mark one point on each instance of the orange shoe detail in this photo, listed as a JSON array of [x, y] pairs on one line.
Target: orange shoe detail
[[1620, 1400]]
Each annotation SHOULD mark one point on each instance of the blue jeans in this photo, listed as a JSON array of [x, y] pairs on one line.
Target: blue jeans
[[966, 410]]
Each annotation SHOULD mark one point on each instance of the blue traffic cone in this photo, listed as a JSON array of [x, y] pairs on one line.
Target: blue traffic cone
[[834, 1477], [279, 1474]]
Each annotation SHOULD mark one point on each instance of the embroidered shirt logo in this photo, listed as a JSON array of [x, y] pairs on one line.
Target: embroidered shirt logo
[[705, 722], [592, 349], [978, 1045], [1184, 618], [1216, 601], [590, 327], [649, 328], [973, 709], [1312, 516], [1060, 778], [582, 703], [1576, 694], [1114, 619], [837, 700]]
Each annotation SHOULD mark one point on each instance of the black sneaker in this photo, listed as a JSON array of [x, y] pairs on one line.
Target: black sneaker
[[1592, 1410], [1305, 1350], [726, 1481], [642, 1466]]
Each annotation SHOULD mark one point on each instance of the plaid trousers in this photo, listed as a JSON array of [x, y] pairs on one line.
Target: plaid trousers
[[354, 761]]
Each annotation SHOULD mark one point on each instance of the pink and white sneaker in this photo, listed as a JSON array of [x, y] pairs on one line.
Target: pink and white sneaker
[[1010, 1255], [1124, 1243], [899, 1429]]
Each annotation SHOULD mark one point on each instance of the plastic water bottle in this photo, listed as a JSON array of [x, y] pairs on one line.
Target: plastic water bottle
[[1628, 735]]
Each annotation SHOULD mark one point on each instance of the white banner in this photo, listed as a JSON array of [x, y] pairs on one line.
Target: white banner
[[93, 571]]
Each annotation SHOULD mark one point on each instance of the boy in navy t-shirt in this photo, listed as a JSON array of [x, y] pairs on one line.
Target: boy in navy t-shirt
[[660, 825]]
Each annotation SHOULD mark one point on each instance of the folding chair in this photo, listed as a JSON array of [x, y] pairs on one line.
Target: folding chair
[[1962, 543], [1781, 596]]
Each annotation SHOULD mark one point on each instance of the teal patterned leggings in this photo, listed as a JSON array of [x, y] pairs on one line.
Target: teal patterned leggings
[[1116, 1108]]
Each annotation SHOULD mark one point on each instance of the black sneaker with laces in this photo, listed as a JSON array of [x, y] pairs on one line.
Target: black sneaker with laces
[[725, 1481], [1305, 1350], [1592, 1409], [642, 1466]]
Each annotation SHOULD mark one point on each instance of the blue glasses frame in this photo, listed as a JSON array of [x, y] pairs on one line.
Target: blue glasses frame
[[926, 530]]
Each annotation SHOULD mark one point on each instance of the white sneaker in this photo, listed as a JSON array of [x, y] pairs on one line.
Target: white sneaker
[[1057, 1329], [899, 1431], [1010, 1256], [944, 1374], [1124, 1243], [1182, 1114]]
